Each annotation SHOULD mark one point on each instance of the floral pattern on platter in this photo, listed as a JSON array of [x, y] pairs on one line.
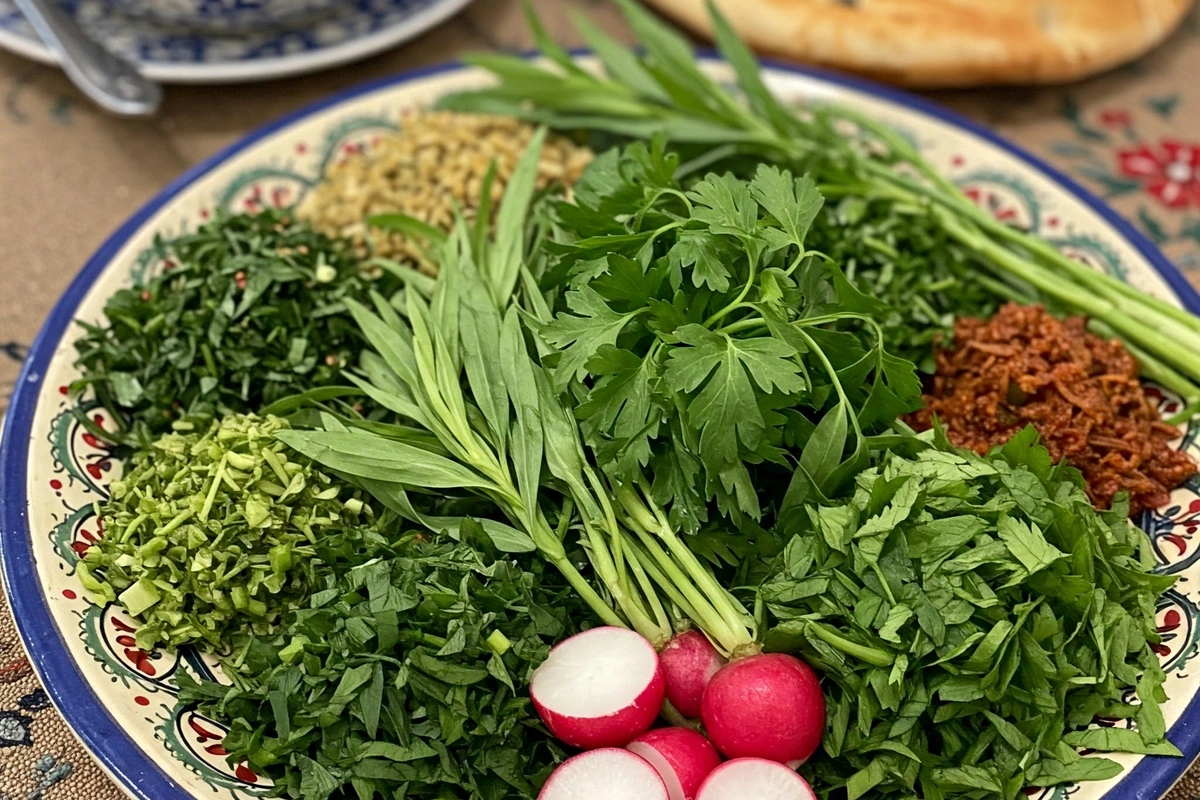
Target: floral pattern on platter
[[1005, 196], [1177, 618], [69, 468], [1169, 171], [196, 741]]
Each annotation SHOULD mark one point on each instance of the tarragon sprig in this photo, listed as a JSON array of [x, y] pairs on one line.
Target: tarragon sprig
[[456, 364]]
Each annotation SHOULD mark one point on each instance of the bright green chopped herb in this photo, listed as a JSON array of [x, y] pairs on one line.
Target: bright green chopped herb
[[389, 681], [972, 618], [209, 535], [248, 310]]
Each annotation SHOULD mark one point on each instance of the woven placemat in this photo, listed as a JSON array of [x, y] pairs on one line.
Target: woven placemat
[[1130, 136]]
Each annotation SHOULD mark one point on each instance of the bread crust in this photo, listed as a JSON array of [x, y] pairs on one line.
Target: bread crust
[[947, 43]]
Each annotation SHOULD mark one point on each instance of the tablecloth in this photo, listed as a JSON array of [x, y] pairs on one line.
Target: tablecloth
[[69, 175]]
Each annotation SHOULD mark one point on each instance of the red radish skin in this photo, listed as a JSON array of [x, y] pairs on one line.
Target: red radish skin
[[757, 778], [600, 688], [606, 774], [683, 758], [766, 706], [689, 661]]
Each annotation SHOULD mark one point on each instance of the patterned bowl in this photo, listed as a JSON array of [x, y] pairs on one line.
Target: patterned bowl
[[122, 701], [224, 15]]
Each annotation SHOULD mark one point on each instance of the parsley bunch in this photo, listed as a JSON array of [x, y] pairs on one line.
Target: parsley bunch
[[402, 676], [703, 337], [972, 617]]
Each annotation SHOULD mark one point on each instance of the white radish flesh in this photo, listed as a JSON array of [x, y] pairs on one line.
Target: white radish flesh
[[689, 661], [683, 758], [766, 706], [600, 688], [605, 774], [757, 778]]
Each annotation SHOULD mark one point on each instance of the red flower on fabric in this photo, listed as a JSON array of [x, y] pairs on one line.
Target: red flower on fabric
[[1116, 118], [1170, 172]]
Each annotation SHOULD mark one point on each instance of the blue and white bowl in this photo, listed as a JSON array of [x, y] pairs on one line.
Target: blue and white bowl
[[225, 15]]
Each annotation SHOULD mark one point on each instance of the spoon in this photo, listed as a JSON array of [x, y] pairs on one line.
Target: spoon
[[109, 80]]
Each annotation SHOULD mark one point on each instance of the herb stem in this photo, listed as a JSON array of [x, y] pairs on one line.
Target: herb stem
[[737, 301], [871, 655], [1136, 331], [747, 324], [833, 378], [672, 578], [694, 579]]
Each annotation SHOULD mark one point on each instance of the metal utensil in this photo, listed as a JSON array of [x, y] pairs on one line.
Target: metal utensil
[[109, 80]]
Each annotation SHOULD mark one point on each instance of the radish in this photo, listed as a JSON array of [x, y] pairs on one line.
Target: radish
[[765, 706], [605, 774], [744, 778], [689, 661], [682, 757], [600, 688]]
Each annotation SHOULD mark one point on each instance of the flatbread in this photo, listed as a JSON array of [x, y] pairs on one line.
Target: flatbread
[[944, 43]]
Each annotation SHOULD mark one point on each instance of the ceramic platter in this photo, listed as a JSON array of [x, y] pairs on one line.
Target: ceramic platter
[[121, 700], [351, 31]]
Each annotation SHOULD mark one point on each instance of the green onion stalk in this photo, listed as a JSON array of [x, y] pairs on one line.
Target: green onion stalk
[[658, 90]]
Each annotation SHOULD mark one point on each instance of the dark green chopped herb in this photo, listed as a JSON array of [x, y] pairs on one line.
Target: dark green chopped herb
[[247, 310], [403, 676], [973, 618]]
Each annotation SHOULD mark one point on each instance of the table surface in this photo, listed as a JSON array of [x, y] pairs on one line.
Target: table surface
[[69, 175]]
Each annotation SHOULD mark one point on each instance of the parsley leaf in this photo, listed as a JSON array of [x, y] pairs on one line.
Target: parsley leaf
[[582, 334]]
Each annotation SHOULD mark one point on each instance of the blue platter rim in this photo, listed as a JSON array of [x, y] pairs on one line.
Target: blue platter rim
[[134, 769]]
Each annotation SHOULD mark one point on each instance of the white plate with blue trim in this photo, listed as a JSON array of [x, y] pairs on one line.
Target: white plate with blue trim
[[350, 31], [122, 701]]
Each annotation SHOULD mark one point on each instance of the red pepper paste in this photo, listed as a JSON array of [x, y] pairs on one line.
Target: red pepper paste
[[1081, 393]]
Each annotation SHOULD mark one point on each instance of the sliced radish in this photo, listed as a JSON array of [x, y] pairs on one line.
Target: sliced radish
[[767, 706], [757, 778], [605, 774], [600, 688], [689, 661], [682, 757]]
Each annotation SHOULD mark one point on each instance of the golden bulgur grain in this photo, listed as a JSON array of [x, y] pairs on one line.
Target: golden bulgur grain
[[437, 159]]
